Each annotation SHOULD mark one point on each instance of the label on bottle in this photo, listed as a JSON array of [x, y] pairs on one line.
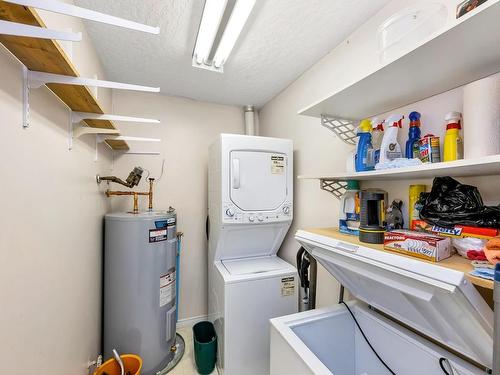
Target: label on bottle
[[460, 148]]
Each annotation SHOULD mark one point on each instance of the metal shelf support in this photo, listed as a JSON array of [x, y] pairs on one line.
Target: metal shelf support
[[335, 187], [343, 128]]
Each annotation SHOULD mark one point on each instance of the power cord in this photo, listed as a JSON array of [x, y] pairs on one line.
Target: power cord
[[442, 361], [368, 341]]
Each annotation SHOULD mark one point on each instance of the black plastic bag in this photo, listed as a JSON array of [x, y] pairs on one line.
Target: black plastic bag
[[451, 203]]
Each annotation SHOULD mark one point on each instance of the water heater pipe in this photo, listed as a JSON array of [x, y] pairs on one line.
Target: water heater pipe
[[136, 194], [249, 120]]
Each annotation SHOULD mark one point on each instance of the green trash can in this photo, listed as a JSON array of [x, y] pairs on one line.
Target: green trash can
[[205, 347]]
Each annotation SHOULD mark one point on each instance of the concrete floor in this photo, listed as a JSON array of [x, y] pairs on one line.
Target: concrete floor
[[187, 364]]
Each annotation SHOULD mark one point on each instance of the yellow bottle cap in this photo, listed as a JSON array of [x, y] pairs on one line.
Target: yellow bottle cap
[[365, 126]]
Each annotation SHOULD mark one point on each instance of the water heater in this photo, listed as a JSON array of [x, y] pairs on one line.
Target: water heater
[[139, 287]]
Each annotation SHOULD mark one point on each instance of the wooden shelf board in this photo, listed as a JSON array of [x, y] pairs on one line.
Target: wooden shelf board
[[484, 166], [462, 53], [47, 56], [456, 262]]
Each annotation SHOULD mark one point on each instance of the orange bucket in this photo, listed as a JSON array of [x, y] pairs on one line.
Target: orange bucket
[[132, 363]]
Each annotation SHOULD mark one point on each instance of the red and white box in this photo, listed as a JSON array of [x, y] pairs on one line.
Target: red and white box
[[417, 244]]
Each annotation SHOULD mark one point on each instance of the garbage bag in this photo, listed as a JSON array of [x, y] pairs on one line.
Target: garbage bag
[[451, 203]]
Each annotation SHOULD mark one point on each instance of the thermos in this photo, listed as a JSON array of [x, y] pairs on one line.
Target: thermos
[[372, 216]]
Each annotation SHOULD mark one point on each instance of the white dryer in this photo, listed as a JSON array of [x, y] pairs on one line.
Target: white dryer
[[250, 212]]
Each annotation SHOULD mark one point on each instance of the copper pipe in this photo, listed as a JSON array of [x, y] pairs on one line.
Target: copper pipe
[[150, 207], [135, 195]]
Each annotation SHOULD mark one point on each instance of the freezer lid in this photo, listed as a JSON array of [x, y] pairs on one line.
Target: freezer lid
[[438, 302], [259, 265]]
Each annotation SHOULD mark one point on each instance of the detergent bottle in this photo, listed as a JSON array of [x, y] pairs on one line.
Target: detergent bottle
[[349, 218], [390, 149], [364, 151], [453, 148], [412, 144], [377, 135]]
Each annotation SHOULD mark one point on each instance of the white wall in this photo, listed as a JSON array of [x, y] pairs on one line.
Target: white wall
[[51, 226], [187, 129], [318, 151]]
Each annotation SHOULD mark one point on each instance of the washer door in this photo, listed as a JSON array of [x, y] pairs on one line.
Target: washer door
[[258, 180]]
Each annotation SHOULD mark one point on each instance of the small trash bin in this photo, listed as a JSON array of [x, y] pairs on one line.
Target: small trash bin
[[132, 363], [205, 347]]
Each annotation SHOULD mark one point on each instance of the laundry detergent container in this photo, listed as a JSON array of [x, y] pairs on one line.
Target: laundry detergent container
[[393, 292]]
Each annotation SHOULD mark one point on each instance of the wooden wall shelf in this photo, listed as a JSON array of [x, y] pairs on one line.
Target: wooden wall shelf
[[47, 56]]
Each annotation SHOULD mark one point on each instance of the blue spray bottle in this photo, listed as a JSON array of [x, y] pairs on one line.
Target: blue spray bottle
[[364, 153], [412, 144]]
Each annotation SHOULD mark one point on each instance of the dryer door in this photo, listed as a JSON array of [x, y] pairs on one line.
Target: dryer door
[[258, 180]]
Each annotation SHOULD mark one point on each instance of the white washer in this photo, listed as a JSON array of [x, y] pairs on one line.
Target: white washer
[[250, 212]]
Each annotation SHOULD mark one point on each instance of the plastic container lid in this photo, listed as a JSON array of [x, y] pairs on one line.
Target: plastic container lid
[[453, 120], [352, 185], [414, 118], [365, 126]]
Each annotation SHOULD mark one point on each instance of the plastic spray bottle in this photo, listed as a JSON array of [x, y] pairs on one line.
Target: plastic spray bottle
[[390, 149], [349, 218], [363, 160], [412, 144], [453, 148], [377, 135]]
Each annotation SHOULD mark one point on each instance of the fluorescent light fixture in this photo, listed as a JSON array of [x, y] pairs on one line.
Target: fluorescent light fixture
[[210, 27], [72, 10], [19, 29], [237, 20]]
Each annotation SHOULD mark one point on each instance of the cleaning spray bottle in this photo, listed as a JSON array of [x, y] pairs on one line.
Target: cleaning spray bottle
[[364, 152], [453, 148], [349, 218], [412, 144], [377, 135], [390, 149]]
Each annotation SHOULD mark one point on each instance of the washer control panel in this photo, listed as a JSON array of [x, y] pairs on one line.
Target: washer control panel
[[232, 214]]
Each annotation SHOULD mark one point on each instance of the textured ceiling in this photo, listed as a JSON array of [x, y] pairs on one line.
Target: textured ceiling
[[280, 41]]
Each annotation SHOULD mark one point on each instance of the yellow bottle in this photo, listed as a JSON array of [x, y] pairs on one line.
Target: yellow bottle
[[453, 148]]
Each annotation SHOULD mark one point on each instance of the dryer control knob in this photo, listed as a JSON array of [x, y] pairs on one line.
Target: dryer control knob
[[251, 218], [260, 218], [286, 210], [230, 212]]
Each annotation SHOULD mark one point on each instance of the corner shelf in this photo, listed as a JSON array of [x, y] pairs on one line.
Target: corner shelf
[[484, 166], [464, 52], [456, 262], [46, 55]]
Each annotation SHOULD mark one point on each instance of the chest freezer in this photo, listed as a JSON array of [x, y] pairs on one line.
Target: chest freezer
[[415, 315]]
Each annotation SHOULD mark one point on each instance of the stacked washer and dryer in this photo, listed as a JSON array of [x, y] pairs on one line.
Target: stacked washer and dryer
[[250, 212]]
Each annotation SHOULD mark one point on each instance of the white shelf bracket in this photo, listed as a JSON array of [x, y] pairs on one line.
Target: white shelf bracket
[[343, 128], [335, 187], [26, 98], [87, 14], [39, 79], [19, 29]]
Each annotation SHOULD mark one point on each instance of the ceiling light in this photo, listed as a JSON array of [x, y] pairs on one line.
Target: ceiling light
[[213, 25]]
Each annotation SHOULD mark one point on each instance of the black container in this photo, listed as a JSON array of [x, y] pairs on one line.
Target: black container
[[372, 216]]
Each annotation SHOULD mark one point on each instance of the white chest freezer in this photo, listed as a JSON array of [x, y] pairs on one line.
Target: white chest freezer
[[427, 305]]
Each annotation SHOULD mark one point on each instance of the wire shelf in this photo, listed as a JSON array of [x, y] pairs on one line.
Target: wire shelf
[[344, 129]]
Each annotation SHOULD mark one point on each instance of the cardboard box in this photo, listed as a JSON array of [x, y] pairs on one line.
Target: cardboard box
[[457, 231], [417, 244]]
